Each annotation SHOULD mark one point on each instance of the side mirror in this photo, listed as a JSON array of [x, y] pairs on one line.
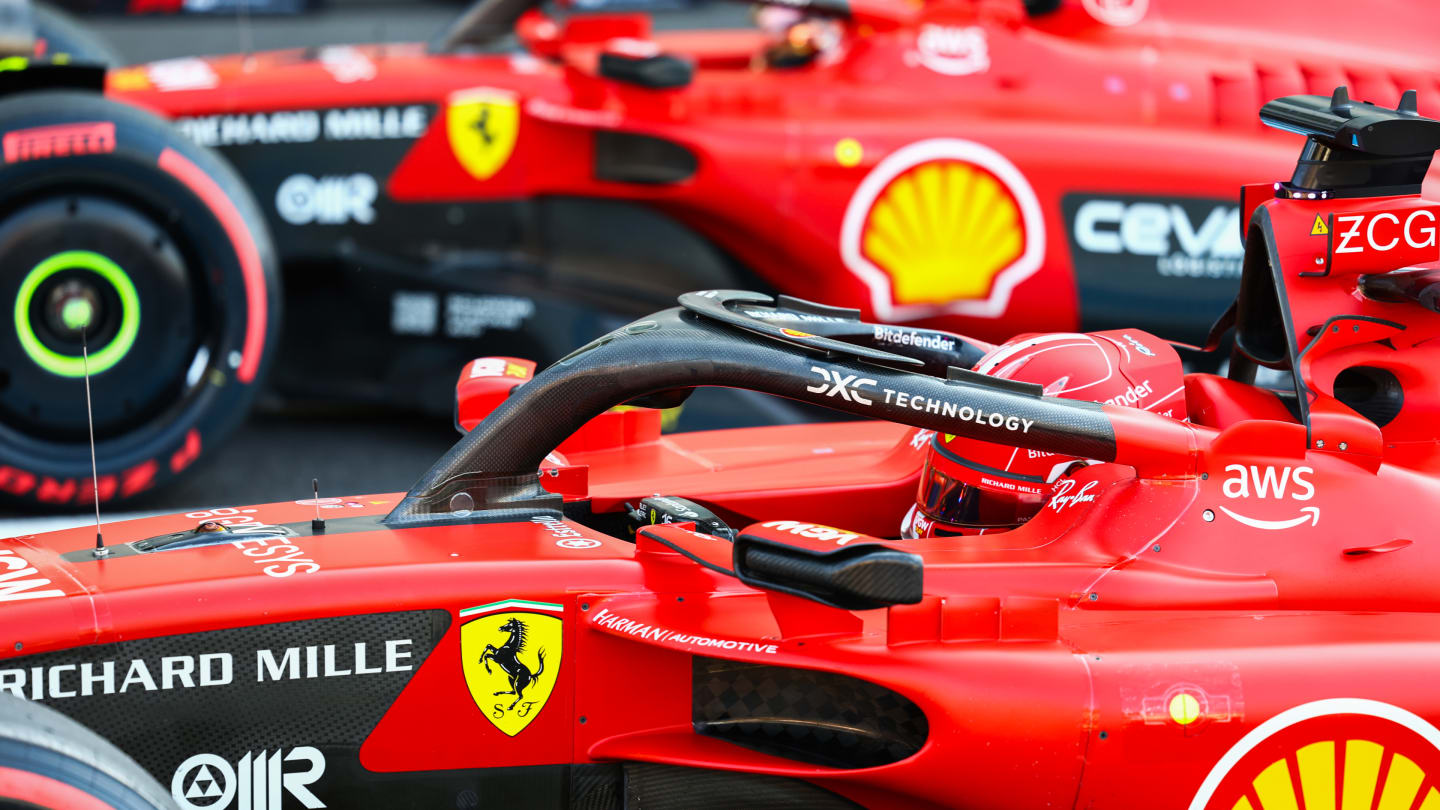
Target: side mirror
[[484, 383]]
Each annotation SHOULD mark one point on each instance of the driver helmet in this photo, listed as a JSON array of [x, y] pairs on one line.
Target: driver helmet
[[971, 487]]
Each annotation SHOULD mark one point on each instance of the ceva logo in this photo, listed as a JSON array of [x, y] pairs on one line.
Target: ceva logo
[[13, 584]]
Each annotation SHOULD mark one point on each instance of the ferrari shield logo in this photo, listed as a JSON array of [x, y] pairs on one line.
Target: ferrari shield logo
[[510, 652], [482, 125]]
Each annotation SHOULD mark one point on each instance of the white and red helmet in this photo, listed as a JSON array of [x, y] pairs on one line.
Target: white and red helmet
[[970, 486]]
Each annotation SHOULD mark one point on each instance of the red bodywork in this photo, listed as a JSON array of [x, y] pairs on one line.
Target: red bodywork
[[934, 167], [1245, 611]]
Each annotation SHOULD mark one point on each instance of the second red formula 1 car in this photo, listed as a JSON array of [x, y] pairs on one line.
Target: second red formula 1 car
[[530, 180], [1235, 611]]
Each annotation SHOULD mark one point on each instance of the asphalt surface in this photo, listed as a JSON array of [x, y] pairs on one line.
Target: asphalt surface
[[279, 451]]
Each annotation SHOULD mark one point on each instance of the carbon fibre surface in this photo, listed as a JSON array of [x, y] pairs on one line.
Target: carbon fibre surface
[[675, 349]]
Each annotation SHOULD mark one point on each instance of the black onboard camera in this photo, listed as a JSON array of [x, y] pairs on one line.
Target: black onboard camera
[[1354, 148]]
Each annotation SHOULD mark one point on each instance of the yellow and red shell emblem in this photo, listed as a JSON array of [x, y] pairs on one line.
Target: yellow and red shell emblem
[[1340, 754], [942, 226]]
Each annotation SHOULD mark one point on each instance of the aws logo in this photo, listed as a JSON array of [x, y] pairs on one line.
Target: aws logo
[[942, 226], [1270, 483], [1341, 752]]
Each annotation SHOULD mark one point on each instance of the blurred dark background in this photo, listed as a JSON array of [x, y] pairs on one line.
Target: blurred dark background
[[351, 450]]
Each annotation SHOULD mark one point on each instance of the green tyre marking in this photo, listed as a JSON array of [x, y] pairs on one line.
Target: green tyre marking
[[66, 365]]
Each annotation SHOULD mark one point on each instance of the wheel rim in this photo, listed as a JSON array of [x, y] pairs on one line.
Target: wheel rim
[[77, 313], [106, 277]]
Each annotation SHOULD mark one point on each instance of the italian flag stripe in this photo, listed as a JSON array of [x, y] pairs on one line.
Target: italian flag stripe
[[512, 604]]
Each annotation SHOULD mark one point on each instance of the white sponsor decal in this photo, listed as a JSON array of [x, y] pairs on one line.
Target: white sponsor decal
[[578, 543], [468, 316], [574, 116], [1418, 231], [674, 506], [208, 782], [838, 382], [182, 74], [307, 126], [909, 337], [1212, 250], [1119, 13], [848, 386], [277, 556], [171, 672], [1137, 345], [828, 534], [1063, 499], [556, 527], [788, 317], [921, 439], [346, 64], [952, 50], [920, 524], [1013, 486], [414, 313], [1313, 518], [1133, 395], [21, 580], [1270, 483], [328, 200], [648, 632]]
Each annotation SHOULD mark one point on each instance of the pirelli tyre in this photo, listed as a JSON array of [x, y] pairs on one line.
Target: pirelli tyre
[[133, 253], [59, 33], [48, 760]]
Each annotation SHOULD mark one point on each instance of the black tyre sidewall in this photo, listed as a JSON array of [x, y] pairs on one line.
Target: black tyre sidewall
[[132, 175], [63, 33], [39, 740]]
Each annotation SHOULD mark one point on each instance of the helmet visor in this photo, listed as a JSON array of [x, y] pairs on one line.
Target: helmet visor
[[950, 501]]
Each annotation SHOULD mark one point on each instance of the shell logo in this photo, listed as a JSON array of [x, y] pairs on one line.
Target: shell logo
[[1338, 754], [942, 226]]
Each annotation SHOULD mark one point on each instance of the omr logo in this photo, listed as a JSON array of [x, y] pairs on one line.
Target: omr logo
[[837, 382], [208, 782]]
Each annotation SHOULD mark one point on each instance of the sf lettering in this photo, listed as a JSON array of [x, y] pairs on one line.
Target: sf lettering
[[522, 710], [1383, 232]]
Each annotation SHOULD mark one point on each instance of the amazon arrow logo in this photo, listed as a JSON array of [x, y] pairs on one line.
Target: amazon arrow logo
[[1274, 525]]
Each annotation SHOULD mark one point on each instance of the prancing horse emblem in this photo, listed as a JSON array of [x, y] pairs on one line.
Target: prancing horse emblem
[[510, 652], [507, 657]]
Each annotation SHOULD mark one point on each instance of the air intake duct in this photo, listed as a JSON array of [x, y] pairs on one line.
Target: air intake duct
[[820, 718]]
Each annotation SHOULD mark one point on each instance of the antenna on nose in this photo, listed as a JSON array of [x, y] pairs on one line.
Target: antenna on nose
[[83, 320], [318, 524]]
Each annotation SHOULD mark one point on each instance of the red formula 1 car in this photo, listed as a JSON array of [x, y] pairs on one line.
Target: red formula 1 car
[[987, 167], [1242, 614]]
